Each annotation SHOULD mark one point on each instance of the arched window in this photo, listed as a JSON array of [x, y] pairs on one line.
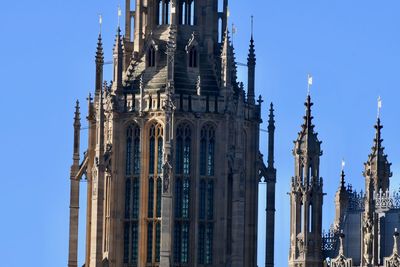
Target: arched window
[[182, 194], [151, 57], [164, 12], [193, 58], [154, 193], [187, 12], [206, 209], [132, 191]]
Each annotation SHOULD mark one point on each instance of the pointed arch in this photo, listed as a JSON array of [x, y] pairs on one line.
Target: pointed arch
[[206, 193], [155, 154]]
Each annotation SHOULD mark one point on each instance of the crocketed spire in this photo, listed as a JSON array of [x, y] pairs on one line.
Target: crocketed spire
[[307, 141], [377, 167]]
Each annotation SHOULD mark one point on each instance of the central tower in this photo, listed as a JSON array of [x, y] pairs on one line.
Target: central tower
[[172, 163]]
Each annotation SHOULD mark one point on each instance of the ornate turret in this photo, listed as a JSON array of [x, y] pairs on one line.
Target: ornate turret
[[306, 197]]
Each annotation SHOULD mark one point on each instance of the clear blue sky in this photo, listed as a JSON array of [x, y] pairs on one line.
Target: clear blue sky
[[47, 48]]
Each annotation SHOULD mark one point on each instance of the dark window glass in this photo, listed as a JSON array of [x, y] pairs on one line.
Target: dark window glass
[[151, 159], [202, 210], [127, 198], [203, 151], [159, 188], [151, 198], [210, 200], [126, 242], [158, 241], [135, 240], [150, 242], [160, 155], [128, 156], [135, 206]]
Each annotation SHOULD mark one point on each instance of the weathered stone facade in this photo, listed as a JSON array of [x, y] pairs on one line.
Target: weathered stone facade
[[173, 162]]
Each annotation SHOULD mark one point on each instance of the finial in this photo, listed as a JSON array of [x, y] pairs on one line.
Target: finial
[[309, 83], [260, 100], [271, 120], [343, 164], [100, 22], [234, 30], [252, 26], [379, 107], [119, 15]]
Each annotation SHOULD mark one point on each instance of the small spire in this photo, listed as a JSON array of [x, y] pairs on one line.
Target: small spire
[[77, 117], [251, 65], [271, 136], [342, 176], [308, 118], [252, 26], [99, 51]]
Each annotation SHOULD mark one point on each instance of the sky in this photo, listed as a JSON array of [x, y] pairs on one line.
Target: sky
[[47, 48]]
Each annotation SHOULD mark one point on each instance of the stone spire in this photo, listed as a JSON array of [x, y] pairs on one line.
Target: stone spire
[[251, 66], [99, 64], [271, 181], [377, 167], [341, 200], [118, 61], [271, 136], [226, 61], [306, 197], [74, 192]]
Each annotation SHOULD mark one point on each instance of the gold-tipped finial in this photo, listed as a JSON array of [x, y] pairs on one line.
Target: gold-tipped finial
[[343, 164], [119, 15], [309, 83], [379, 107], [252, 25], [100, 21]]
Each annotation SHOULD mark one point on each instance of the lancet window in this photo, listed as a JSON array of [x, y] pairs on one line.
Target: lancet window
[[151, 57], [182, 194], [164, 12], [154, 193], [132, 191], [193, 57], [206, 195], [187, 12]]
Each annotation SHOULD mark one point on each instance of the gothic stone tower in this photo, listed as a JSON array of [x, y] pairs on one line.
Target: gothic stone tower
[[172, 163], [306, 198], [377, 179]]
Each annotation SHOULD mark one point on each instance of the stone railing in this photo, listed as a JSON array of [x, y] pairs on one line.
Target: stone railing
[[387, 200]]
